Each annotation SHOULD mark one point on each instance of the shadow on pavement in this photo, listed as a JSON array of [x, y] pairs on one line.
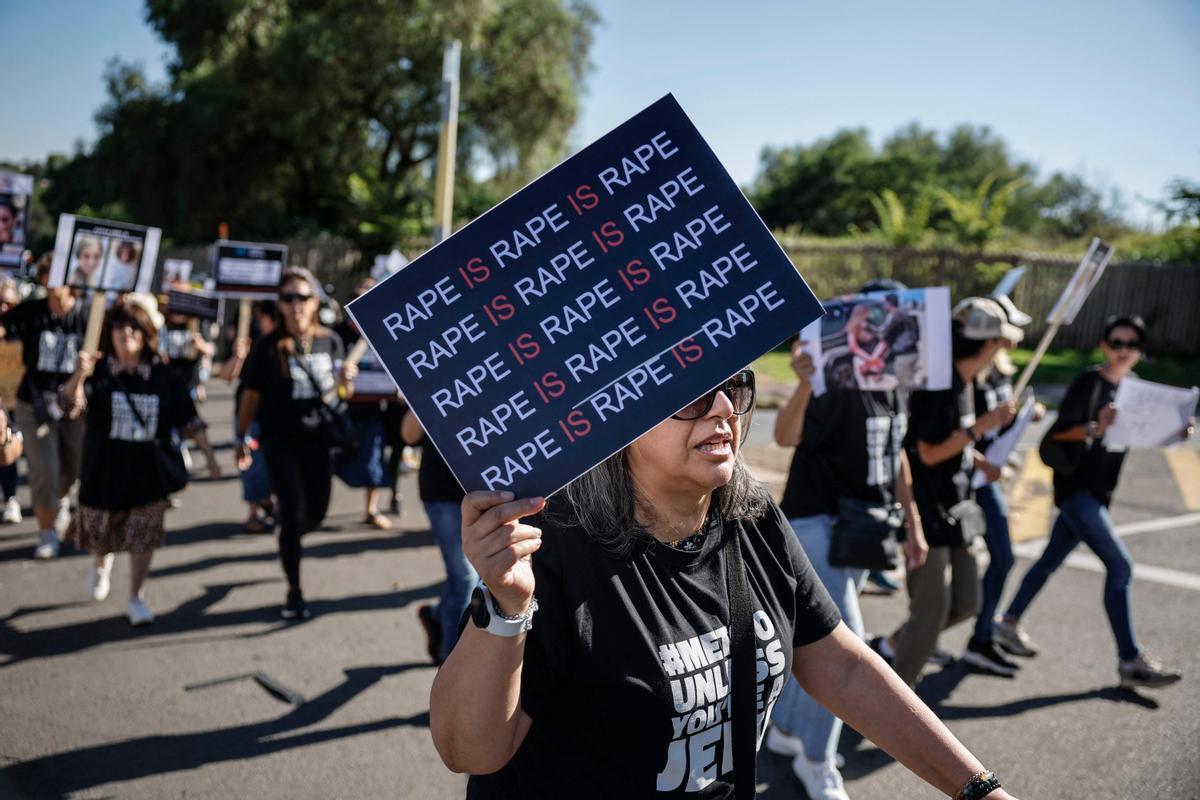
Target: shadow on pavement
[[59, 775], [189, 617]]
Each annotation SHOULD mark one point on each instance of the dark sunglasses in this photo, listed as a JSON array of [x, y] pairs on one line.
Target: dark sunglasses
[[739, 389], [1124, 344], [126, 324], [294, 297]]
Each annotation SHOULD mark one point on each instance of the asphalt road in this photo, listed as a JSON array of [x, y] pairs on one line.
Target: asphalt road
[[91, 708]]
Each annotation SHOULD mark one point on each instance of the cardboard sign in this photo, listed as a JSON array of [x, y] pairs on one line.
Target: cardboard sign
[[882, 341], [1086, 276], [12, 370], [1150, 414], [248, 269], [192, 304], [15, 191], [573, 317], [104, 255], [175, 271]]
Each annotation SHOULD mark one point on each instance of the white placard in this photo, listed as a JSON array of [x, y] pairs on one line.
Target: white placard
[[1009, 282], [856, 346], [1150, 414], [1002, 446], [175, 270]]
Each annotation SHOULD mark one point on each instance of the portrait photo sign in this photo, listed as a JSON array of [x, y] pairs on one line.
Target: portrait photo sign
[[104, 255], [591, 305], [15, 191]]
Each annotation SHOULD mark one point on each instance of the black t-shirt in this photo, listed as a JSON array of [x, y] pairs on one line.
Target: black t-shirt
[[276, 370], [990, 391], [850, 448], [1099, 468], [900, 332], [49, 344], [435, 482], [626, 667], [177, 345], [934, 417], [117, 470]]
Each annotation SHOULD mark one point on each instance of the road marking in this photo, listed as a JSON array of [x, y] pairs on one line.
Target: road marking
[[1161, 524], [1032, 500], [1088, 562], [1185, 466]]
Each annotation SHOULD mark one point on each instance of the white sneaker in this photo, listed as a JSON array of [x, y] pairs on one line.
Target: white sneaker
[[62, 519], [137, 612], [783, 744], [821, 779], [12, 512], [98, 583], [47, 547]]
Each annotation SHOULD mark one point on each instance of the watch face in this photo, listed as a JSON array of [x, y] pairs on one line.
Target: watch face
[[481, 615]]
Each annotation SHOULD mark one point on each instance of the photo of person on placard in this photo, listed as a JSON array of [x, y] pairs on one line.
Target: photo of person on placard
[[901, 334], [86, 258], [122, 270], [11, 228]]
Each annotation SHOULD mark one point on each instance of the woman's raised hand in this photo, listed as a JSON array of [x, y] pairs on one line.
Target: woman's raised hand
[[500, 547]]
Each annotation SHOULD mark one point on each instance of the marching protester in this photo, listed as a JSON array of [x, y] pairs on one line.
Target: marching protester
[[9, 299], [286, 377], [51, 331], [252, 470], [849, 457], [943, 428], [621, 607], [135, 406], [368, 467], [1086, 472], [184, 347], [442, 497], [992, 389]]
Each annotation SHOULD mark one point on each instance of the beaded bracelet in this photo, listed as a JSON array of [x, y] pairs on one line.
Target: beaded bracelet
[[982, 783]]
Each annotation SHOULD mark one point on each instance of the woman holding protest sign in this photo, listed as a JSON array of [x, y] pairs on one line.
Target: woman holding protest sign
[[943, 429], [286, 379], [1085, 475], [653, 572], [134, 408], [849, 460]]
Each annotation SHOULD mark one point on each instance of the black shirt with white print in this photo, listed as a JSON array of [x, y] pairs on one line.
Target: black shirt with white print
[[934, 417], [49, 346], [1099, 467], [117, 469], [276, 369], [626, 668], [850, 448], [179, 348]]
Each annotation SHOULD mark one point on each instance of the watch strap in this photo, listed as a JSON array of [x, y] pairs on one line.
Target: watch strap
[[505, 626]]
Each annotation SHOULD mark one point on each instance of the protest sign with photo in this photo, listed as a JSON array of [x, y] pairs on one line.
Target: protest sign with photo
[[15, 191], [175, 271], [882, 341], [104, 255], [597, 301], [192, 304], [248, 269], [1086, 276], [1150, 414]]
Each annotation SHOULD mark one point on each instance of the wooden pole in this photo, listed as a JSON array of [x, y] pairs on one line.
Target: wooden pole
[[443, 204], [91, 336], [1043, 345], [243, 326]]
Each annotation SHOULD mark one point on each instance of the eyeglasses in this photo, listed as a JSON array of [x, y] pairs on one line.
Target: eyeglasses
[[294, 297], [1124, 344], [739, 389]]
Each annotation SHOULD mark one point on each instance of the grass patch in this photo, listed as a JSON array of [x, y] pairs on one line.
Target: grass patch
[[776, 365]]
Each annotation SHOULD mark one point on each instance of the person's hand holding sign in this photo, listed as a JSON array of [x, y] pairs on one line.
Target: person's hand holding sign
[[802, 363], [998, 417], [499, 546], [1105, 419]]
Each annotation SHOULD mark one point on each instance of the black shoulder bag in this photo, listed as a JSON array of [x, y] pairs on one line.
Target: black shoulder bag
[[865, 533], [167, 457], [333, 421], [1064, 457], [744, 724]]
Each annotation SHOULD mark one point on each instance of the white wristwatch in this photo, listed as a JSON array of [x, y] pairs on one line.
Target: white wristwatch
[[485, 613]]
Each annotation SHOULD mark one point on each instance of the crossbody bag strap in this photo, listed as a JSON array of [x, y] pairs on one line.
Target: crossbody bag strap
[[742, 679]]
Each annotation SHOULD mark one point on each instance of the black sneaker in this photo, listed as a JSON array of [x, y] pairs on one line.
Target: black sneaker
[[940, 657], [1146, 671], [295, 607], [989, 658], [433, 633]]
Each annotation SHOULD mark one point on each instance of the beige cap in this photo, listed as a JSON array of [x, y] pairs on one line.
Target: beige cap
[[984, 318], [147, 303]]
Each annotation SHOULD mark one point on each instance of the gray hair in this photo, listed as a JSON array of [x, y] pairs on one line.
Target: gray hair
[[603, 501]]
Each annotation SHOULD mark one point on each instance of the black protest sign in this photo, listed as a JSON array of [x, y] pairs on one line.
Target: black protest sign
[[573, 317], [248, 269], [192, 304]]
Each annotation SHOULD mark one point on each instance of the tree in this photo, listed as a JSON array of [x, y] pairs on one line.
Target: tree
[[975, 220], [900, 226], [287, 117]]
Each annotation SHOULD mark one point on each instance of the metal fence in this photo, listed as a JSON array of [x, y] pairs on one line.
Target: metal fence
[[1167, 297]]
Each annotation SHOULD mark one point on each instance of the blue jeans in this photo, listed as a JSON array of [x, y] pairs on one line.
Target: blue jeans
[[797, 714], [445, 521], [8, 481], [1083, 518], [1000, 553]]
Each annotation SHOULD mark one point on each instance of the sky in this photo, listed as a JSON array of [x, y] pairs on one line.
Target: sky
[[1109, 90]]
